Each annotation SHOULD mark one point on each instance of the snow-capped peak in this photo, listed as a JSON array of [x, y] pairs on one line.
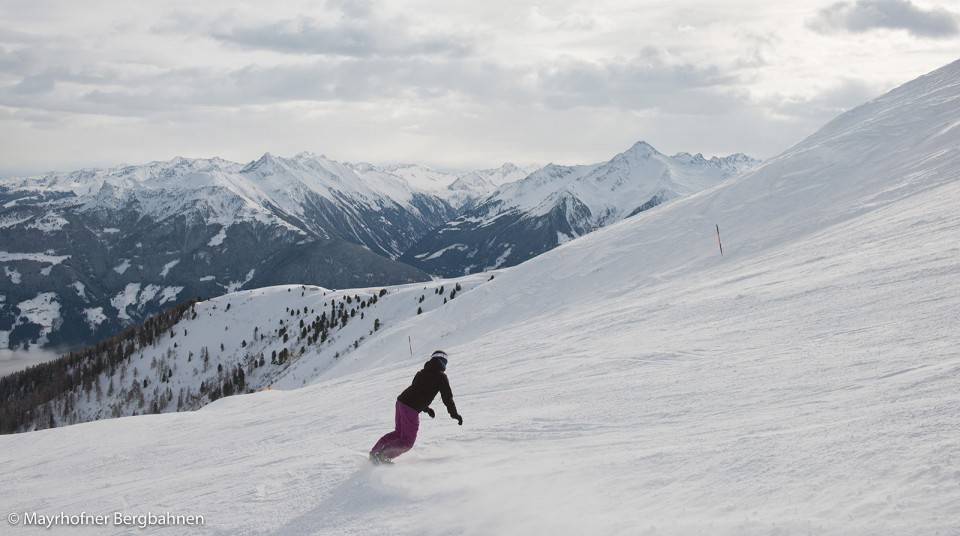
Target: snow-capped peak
[[641, 149], [637, 175], [265, 165], [270, 189], [422, 177], [469, 189]]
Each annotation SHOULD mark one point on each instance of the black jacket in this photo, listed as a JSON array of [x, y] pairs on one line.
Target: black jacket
[[426, 384]]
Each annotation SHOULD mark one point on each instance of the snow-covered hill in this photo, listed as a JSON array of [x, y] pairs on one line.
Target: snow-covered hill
[[630, 382], [555, 204], [187, 357]]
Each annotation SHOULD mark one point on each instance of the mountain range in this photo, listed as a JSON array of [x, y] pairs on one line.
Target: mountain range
[[555, 204], [90, 252]]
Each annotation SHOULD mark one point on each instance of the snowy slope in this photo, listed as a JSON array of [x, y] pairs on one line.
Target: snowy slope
[[631, 382], [275, 337]]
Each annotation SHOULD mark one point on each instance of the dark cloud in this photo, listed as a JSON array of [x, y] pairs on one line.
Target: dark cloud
[[352, 36], [33, 65], [45, 81], [648, 80], [824, 105], [866, 15], [352, 51], [36, 84], [17, 53], [358, 9], [338, 28], [371, 79], [10, 36], [355, 53]]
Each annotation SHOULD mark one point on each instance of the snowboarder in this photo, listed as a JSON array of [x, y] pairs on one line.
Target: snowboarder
[[413, 400]]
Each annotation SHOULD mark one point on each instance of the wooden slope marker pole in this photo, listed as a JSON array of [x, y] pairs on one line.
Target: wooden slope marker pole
[[718, 240], [410, 342]]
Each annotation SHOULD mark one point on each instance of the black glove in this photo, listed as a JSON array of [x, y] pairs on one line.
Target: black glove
[[429, 412], [458, 418]]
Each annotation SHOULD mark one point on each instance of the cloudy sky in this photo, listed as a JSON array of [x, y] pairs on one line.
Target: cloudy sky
[[457, 85]]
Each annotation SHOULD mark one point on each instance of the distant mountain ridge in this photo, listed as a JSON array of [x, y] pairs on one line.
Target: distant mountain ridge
[[554, 204], [89, 252], [470, 189]]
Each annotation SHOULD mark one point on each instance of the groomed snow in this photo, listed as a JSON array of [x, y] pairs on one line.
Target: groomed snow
[[629, 382]]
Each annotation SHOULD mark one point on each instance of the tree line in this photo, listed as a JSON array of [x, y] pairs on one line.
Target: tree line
[[25, 395]]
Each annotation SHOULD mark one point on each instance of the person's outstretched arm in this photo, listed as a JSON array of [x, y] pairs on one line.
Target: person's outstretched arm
[[446, 395]]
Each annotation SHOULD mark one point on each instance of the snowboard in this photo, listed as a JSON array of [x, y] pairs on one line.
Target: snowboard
[[379, 461]]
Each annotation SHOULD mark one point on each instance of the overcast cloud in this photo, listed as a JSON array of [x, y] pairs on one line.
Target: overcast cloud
[[347, 35], [456, 85], [867, 15]]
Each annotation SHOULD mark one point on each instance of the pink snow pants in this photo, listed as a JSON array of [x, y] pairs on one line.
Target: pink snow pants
[[402, 438]]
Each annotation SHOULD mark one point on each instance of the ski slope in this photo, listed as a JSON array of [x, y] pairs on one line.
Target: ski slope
[[632, 381]]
